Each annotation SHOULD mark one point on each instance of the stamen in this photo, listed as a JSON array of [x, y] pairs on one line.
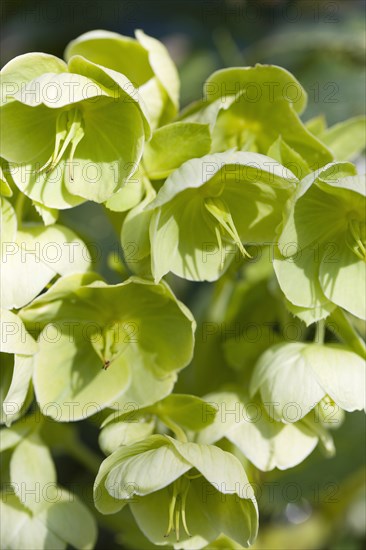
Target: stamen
[[356, 238], [69, 130], [177, 508], [220, 211]]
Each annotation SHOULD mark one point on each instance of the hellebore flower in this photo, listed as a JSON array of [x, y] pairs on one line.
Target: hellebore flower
[[144, 60], [250, 108], [103, 345], [322, 248], [295, 377], [70, 132], [181, 494], [267, 443], [207, 207]]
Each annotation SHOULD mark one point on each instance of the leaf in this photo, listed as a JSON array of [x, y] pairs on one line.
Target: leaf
[[5, 189], [48, 215], [289, 158], [174, 144], [188, 411], [32, 473]]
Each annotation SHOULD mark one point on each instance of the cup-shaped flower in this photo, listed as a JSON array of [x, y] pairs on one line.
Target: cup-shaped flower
[[144, 60], [295, 377], [104, 345], [207, 207], [181, 494], [267, 443], [322, 247], [250, 108], [70, 132]]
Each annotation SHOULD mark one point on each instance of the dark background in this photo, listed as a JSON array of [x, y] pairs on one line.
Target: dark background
[[320, 503]]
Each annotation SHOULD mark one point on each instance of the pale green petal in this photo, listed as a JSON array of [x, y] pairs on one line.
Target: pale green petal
[[106, 503], [8, 222], [286, 382], [119, 53], [43, 251], [147, 472], [24, 68], [22, 530], [33, 473], [16, 396], [174, 144], [188, 411], [69, 381], [70, 520], [269, 444], [14, 336], [341, 373], [48, 215], [152, 517], [119, 433], [316, 125], [5, 189], [221, 469], [343, 280], [165, 71], [346, 139]]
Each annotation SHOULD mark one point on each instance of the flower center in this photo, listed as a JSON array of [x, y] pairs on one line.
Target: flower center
[[356, 238], [220, 211], [111, 342], [177, 506], [69, 131]]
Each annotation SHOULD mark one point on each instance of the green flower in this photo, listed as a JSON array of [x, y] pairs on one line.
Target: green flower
[[322, 247], [144, 60], [36, 512], [250, 108], [104, 345], [181, 494], [207, 207], [267, 443], [295, 377], [70, 132]]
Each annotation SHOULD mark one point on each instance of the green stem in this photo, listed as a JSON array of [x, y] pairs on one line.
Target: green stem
[[19, 207], [343, 329], [85, 456], [177, 430], [320, 332]]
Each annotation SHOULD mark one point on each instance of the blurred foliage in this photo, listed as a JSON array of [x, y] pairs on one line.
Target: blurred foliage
[[319, 504]]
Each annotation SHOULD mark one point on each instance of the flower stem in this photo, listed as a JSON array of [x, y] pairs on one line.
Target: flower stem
[[320, 332], [177, 430]]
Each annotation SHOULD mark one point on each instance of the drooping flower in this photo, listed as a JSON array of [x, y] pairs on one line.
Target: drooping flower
[[322, 248], [181, 494], [69, 132], [209, 206], [103, 345], [295, 377], [144, 60]]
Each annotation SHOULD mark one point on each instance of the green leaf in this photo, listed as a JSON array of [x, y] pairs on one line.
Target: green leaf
[[5, 189], [174, 144], [32, 473], [188, 411], [316, 125], [48, 215]]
